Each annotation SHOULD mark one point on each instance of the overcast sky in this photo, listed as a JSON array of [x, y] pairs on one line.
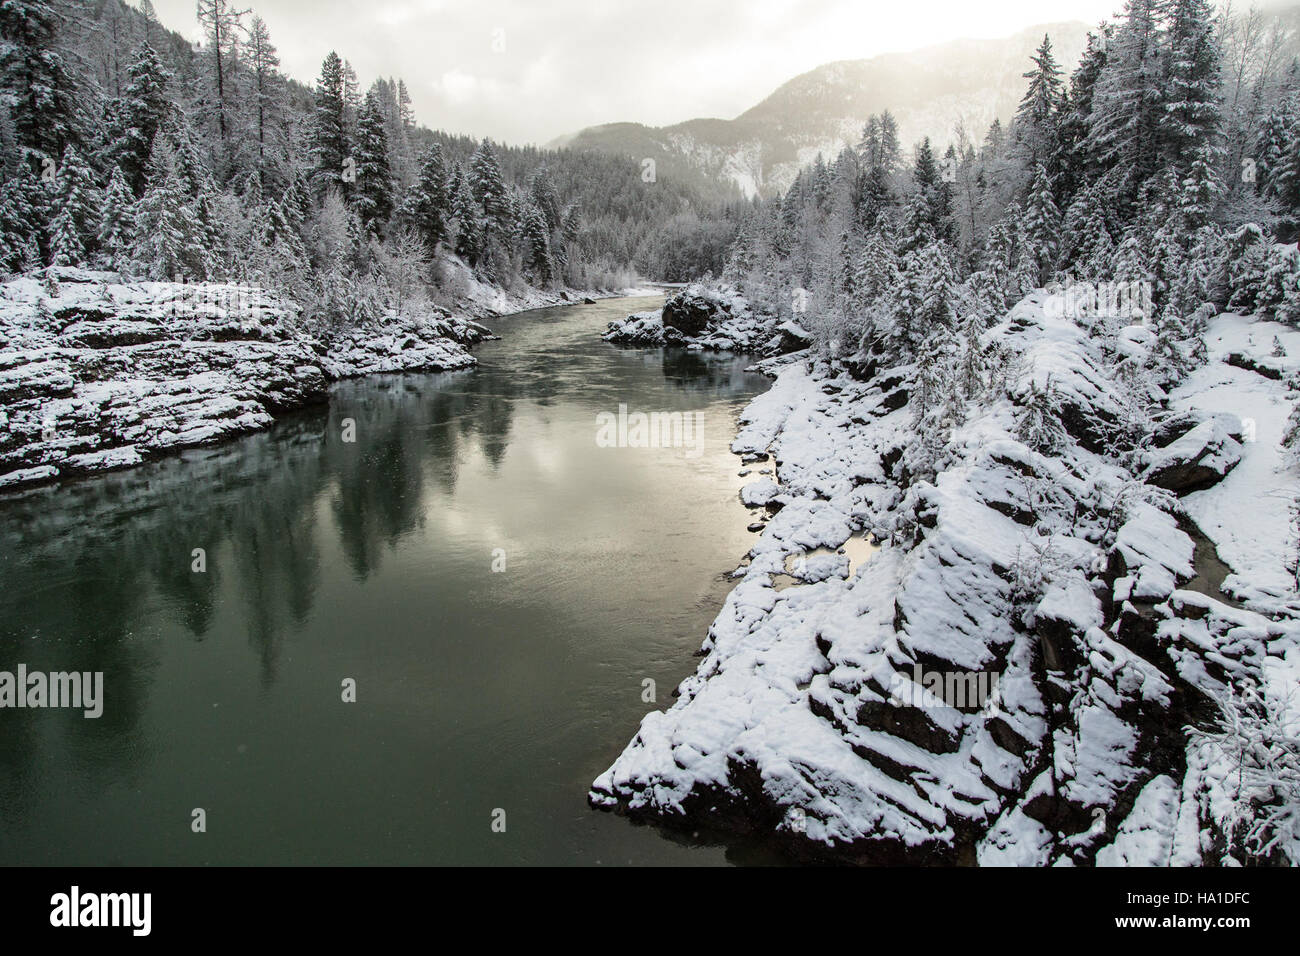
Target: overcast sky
[[530, 70]]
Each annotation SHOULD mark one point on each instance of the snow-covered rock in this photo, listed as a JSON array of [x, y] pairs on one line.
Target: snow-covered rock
[[846, 717], [98, 372], [1199, 458], [708, 318]]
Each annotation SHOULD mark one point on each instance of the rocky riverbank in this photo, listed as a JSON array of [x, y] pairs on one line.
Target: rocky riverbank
[[100, 372], [1023, 672]]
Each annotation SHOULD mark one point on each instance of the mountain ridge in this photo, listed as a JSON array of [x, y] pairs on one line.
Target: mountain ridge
[[929, 90]]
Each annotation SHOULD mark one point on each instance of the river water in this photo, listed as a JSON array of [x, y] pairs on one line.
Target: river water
[[498, 585]]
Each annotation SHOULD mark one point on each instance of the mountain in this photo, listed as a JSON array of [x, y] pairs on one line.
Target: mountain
[[929, 91]]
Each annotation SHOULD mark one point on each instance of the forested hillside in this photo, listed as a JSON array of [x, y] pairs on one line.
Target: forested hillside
[[1052, 385], [1167, 164], [124, 147]]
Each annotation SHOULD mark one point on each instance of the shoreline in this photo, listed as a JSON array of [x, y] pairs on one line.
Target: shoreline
[[99, 372], [789, 729]]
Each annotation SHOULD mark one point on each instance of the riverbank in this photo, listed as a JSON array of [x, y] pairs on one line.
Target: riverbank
[[99, 372], [1027, 558]]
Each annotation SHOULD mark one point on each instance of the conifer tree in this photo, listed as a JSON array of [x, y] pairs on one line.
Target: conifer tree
[[490, 192], [135, 120], [373, 195], [35, 79], [427, 205], [267, 87], [168, 240], [1192, 118], [74, 231], [1129, 104], [469, 222], [116, 221], [1037, 136], [1042, 226], [329, 140], [537, 245]]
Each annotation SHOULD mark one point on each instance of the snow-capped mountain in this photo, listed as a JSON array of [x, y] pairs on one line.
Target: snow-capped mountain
[[930, 91]]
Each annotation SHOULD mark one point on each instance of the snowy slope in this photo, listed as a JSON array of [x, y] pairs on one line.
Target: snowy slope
[[1060, 580]]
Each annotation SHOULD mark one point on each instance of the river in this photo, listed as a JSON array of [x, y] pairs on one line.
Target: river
[[498, 588]]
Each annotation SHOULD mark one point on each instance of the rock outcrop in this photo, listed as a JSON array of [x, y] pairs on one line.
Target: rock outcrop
[[1007, 681], [712, 319], [98, 373]]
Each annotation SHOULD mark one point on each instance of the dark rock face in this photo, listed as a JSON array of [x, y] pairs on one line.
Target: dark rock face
[[691, 311], [1197, 459]]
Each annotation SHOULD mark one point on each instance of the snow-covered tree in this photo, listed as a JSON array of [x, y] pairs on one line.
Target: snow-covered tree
[[373, 196], [1042, 227], [1036, 132], [74, 232], [168, 241], [135, 119], [35, 79], [330, 144]]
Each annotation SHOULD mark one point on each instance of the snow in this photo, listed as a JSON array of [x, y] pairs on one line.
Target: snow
[[731, 326], [806, 695], [1146, 837], [1245, 512], [100, 372]]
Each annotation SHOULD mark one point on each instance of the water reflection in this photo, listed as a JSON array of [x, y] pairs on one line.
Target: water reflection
[[96, 575]]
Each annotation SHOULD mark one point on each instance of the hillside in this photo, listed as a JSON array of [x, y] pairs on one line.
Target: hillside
[[929, 91]]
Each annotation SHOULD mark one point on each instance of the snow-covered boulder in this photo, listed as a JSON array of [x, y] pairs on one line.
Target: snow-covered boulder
[[1197, 459], [640, 328], [694, 309], [713, 318]]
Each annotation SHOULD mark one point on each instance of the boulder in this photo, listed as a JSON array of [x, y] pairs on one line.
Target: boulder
[[691, 311], [1199, 458]]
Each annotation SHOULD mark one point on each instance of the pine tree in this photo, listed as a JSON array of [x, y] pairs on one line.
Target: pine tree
[[1201, 189], [1074, 169], [1247, 258], [1191, 120], [541, 191], [168, 236], [537, 245], [115, 221], [373, 196], [1091, 246], [490, 192], [267, 86], [1039, 423], [135, 119], [66, 247], [23, 208], [1128, 104], [221, 24], [35, 79], [427, 206], [329, 139], [75, 226], [1042, 226], [1036, 134], [469, 220]]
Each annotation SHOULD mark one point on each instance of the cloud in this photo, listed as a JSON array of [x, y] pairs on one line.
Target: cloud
[[531, 70]]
